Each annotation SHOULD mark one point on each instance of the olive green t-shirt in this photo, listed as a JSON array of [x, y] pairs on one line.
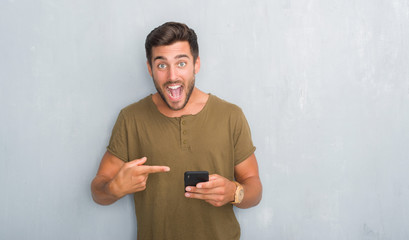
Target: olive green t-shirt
[[214, 140]]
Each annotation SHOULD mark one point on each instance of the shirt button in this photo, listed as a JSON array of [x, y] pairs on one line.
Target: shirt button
[[184, 132], [183, 122], [184, 141]]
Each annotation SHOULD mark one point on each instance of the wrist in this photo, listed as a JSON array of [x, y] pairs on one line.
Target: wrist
[[238, 194], [233, 195], [112, 189]]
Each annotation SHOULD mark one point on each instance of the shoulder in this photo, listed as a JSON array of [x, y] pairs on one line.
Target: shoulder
[[139, 108], [222, 106]]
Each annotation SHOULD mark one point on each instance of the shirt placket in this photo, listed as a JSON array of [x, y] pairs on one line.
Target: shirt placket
[[184, 133]]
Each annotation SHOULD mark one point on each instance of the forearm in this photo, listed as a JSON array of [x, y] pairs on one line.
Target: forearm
[[252, 192], [101, 191]]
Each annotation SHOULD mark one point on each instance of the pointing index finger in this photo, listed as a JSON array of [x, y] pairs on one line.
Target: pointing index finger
[[154, 169]]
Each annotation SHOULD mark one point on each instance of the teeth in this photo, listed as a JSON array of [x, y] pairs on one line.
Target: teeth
[[174, 87], [173, 90]]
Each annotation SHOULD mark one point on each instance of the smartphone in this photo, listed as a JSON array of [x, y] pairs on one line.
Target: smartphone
[[194, 177]]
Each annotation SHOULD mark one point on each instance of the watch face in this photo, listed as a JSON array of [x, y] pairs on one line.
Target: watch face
[[241, 195]]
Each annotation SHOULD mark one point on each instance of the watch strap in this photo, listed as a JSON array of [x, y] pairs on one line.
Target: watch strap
[[239, 193]]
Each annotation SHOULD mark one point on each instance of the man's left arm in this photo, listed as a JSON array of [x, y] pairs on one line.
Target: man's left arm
[[246, 173], [220, 191]]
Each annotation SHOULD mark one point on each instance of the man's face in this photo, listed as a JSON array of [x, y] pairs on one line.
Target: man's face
[[173, 72]]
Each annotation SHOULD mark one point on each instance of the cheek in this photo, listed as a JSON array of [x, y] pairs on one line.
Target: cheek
[[187, 73], [159, 75]]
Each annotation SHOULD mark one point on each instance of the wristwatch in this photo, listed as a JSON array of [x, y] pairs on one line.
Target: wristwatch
[[239, 195]]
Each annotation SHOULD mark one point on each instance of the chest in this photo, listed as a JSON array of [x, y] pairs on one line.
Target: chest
[[186, 143]]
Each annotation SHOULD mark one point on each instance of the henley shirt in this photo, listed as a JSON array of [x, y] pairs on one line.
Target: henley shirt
[[214, 140]]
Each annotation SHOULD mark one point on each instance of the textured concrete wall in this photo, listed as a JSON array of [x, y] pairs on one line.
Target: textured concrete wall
[[324, 85]]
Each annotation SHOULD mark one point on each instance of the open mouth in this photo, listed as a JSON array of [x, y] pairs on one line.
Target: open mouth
[[174, 91]]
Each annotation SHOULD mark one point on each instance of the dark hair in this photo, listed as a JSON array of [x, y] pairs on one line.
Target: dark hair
[[169, 33]]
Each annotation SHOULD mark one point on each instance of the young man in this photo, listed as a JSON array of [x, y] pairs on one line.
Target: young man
[[178, 129]]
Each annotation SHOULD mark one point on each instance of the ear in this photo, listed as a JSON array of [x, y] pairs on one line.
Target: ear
[[197, 65], [149, 68]]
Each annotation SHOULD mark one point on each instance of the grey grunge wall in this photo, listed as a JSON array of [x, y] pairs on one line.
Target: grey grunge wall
[[324, 86]]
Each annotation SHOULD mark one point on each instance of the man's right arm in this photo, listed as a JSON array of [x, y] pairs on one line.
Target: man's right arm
[[100, 186], [115, 178]]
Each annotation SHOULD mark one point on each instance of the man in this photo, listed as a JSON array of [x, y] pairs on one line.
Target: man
[[178, 129]]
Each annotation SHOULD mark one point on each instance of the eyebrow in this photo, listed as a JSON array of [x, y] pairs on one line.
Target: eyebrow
[[176, 57], [181, 56]]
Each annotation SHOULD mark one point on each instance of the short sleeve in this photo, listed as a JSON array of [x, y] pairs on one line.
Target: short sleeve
[[243, 145], [118, 144]]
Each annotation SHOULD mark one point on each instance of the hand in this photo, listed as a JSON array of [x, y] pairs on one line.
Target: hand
[[132, 177], [217, 191]]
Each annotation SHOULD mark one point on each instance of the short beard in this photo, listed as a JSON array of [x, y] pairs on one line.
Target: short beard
[[190, 88]]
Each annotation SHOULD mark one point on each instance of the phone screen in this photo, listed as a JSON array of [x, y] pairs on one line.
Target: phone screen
[[194, 177]]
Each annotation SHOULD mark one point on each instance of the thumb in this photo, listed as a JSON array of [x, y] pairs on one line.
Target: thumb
[[213, 177], [138, 162]]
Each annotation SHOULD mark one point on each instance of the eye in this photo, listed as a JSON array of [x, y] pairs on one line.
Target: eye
[[161, 65], [181, 64]]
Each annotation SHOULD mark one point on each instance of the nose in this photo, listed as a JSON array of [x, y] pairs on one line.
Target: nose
[[172, 73]]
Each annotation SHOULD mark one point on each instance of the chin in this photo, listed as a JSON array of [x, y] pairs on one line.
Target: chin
[[176, 106]]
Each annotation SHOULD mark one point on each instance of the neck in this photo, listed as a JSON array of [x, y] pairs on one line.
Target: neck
[[195, 104]]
